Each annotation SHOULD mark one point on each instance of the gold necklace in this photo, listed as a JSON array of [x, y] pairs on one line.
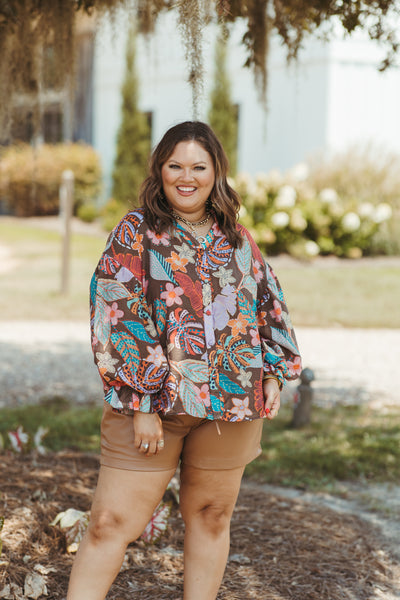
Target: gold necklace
[[192, 226]]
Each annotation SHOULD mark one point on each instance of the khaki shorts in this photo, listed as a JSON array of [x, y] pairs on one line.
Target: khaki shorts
[[194, 441]]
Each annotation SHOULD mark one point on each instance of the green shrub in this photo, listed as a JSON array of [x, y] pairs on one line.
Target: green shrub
[[112, 213], [30, 178], [301, 214], [133, 138], [223, 114], [87, 212]]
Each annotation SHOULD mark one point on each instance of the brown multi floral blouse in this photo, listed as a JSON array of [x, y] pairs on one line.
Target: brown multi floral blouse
[[185, 327]]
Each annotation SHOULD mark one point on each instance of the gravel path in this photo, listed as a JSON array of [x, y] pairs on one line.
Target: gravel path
[[42, 358]]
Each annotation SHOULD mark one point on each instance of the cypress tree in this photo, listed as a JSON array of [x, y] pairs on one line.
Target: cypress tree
[[133, 139], [223, 114]]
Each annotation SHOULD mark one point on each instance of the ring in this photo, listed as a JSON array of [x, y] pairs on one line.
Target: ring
[[146, 446], [160, 443]]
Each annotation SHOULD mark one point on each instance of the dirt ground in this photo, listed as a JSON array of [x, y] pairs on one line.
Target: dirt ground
[[281, 548]]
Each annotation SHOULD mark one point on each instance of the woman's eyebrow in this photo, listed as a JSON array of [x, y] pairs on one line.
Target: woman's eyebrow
[[200, 162]]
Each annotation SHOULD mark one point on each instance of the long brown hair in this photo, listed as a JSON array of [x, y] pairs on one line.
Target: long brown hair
[[225, 202]]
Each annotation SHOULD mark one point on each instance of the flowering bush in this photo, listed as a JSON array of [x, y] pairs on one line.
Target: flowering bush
[[290, 214]]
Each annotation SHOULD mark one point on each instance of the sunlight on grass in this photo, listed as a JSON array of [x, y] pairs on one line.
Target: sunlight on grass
[[349, 294], [341, 443], [31, 288], [345, 293]]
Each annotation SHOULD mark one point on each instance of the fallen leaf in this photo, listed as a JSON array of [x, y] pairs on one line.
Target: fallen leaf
[[35, 586], [67, 518], [44, 570], [6, 592], [75, 534], [12, 592]]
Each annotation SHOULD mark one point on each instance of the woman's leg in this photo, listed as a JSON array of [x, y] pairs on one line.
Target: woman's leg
[[207, 502], [123, 504]]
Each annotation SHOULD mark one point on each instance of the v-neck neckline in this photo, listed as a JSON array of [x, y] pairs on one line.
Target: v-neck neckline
[[202, 244]]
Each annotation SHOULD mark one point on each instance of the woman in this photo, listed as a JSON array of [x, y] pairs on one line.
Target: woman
[[193, 342]]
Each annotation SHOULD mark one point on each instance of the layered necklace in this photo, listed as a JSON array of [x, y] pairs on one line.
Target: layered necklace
[[191, 225]]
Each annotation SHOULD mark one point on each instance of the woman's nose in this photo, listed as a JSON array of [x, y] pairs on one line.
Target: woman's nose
[[187, 174]]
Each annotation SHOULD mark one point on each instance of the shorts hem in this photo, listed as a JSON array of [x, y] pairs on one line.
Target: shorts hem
[[126, 465], [218, 467]]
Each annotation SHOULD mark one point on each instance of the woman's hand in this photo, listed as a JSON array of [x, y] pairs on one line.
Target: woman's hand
[[149, 435], [272, 397]]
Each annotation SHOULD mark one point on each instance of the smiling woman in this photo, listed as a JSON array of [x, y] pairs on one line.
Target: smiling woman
[[193, 342], [188, 177]]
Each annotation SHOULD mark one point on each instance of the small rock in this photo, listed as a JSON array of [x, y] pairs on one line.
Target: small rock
[[240, 558]]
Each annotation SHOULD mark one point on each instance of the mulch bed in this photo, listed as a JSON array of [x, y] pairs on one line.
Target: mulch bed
[[281, 549]]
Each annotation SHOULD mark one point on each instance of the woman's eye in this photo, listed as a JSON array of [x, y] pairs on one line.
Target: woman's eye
[[199, 168], [174, 166]]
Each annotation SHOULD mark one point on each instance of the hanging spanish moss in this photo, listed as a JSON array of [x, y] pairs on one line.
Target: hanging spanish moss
[[34, 33], [191, 22]]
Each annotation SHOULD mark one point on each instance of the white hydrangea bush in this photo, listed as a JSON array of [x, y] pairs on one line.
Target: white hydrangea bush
[[289, 214]]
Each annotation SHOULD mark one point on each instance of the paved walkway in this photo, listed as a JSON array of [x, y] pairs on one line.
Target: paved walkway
[[45, 358]]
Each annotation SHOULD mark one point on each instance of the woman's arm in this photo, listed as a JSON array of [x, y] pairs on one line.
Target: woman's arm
[[126, 346]]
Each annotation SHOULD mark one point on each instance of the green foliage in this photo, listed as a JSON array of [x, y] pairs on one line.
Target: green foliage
[[30, 178], [133, 140], [112, 213], [342, 443], [87, 212], [292, 21], [223, 114], [302, 214], [69, 426]]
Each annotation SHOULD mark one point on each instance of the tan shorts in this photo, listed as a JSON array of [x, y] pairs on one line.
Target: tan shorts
[[194, 441]]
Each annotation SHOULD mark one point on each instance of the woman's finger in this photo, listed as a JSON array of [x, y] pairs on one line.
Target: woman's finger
[[144, 447], [152, 449], [272, 406]]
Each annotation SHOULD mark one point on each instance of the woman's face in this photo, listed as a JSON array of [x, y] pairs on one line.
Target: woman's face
[[188, 177]]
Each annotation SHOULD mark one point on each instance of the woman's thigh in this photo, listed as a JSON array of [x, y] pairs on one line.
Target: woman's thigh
[[209, 490], [128, 498]]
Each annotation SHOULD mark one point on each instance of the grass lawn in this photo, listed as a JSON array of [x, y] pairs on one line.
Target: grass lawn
[[70, 426], [326, 293], [341, 443], [30, 289], [330, 293]]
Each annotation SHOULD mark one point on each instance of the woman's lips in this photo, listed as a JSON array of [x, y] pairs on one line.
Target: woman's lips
[[185, 190]]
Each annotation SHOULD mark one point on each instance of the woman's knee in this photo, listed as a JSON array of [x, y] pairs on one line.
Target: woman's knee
[[106, 524], [213, 518]]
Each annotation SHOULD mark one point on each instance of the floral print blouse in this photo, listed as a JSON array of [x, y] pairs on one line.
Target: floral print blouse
[[185, 327]]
